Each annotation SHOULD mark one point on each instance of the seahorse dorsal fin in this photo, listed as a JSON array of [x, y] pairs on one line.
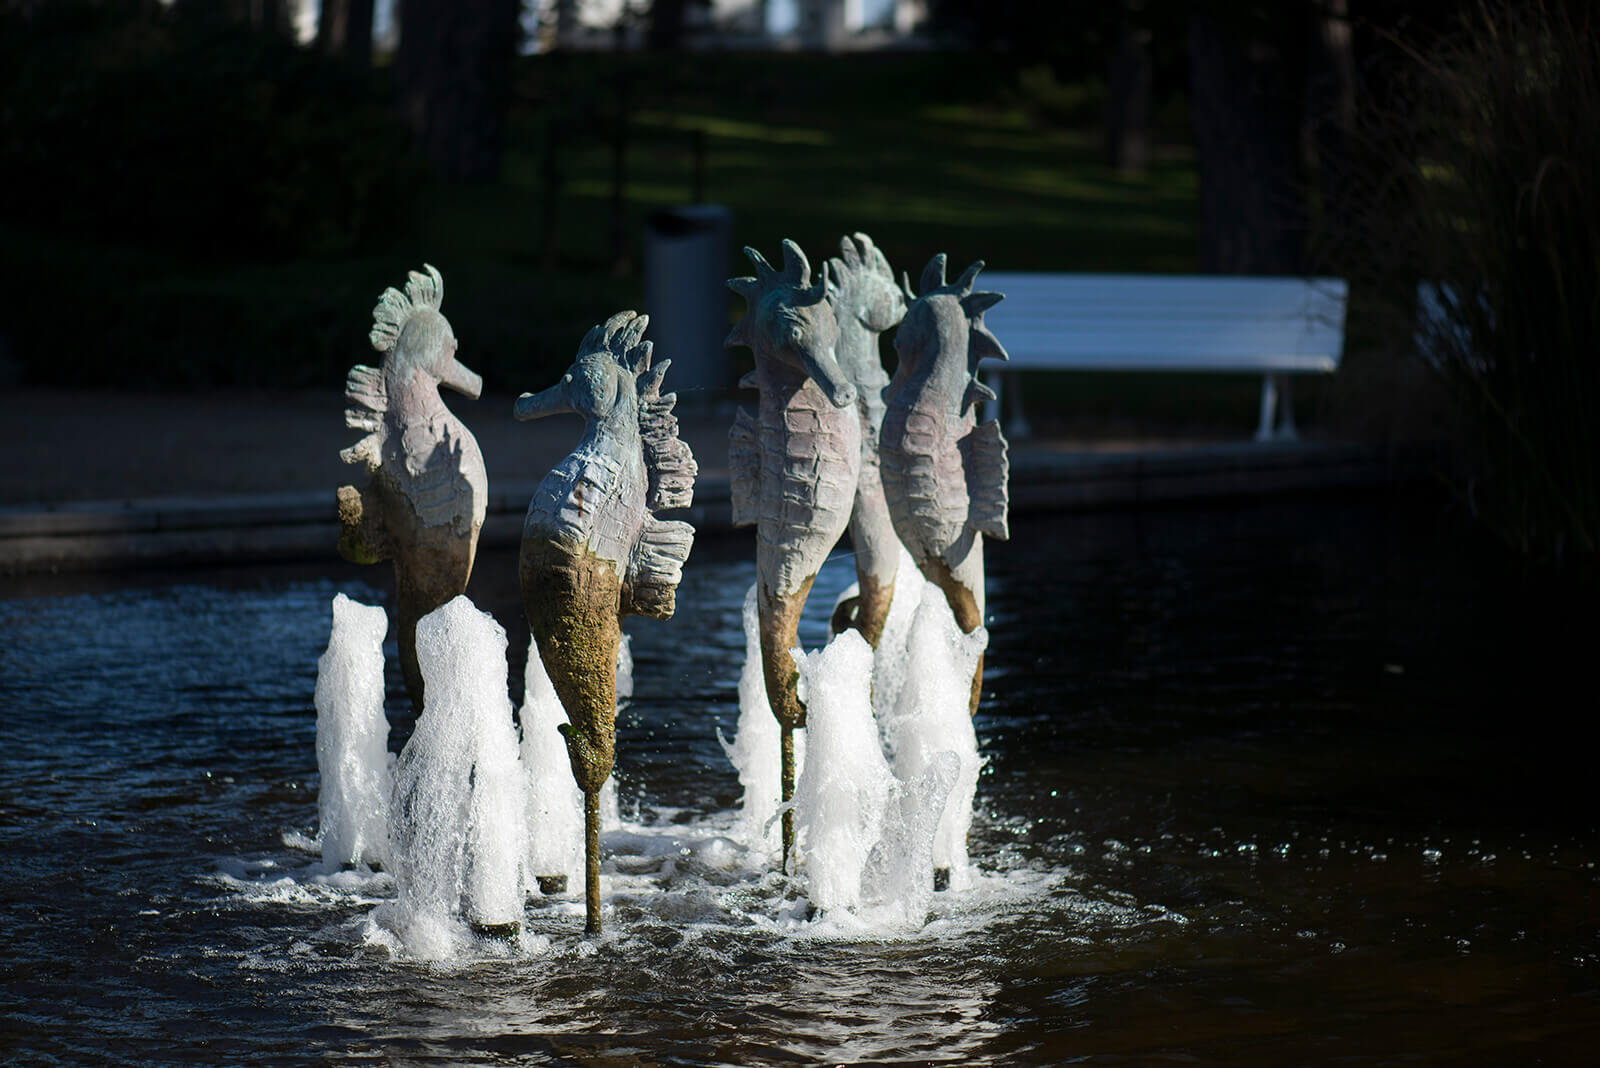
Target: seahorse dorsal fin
[[367, 395], [656, 567], [976, 393], [744, 467], [669, 464], [368, 400], [983, 456]]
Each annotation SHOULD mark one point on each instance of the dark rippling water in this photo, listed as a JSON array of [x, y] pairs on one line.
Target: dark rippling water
[[1303, 782]]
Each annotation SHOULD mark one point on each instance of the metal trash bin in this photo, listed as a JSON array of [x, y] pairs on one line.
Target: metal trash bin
[[686, 296]]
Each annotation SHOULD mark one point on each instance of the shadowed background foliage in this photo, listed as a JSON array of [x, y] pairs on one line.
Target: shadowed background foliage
[[196, 200]]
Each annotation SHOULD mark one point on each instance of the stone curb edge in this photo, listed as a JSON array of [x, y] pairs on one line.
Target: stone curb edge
[[247, 528]]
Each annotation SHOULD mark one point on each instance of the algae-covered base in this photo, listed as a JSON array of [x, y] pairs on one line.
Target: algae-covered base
[[499, 932]]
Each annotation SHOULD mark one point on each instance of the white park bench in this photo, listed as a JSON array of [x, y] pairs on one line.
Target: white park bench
[[1274, 327]]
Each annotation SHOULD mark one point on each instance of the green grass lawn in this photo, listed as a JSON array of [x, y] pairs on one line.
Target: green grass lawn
[[927, 152]]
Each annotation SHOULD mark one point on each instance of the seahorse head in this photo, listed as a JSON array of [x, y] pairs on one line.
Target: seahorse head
[[603, 380], [791, 322], [942, 336], [417, 339], [866, 286]]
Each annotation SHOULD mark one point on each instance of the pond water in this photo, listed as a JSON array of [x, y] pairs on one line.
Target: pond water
[[1297, 782]]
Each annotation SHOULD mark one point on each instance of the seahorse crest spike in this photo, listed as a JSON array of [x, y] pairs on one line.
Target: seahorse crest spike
[[395, 309]]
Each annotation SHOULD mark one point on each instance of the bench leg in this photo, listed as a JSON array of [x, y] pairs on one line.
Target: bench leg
[[1286, 429], [1277, 410], [1017, 426]]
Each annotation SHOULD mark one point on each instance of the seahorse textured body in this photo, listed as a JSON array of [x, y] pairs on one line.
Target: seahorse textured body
[[924, 475], [428, 491], [592, 551]]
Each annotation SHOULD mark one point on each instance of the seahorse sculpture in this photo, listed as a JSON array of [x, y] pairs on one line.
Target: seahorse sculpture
[[944, 474], [593, 550], [424, 502], [866, 302], [794, 466]]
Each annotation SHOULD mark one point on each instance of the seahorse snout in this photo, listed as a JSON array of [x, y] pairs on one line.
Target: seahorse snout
[[459, 378]]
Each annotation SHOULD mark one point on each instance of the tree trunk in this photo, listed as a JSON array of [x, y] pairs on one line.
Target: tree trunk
[[276, 16], [1331, 118], [668, 21], [566, 23], [455, 72], [1246, 94], [344, 28], [1129, 85]]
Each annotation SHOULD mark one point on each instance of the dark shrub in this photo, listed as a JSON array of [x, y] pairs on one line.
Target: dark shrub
[[1485, 236], [179, 128]]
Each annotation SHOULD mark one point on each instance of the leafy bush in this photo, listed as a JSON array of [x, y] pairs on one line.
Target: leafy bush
[[1488, 232], [173, 126]]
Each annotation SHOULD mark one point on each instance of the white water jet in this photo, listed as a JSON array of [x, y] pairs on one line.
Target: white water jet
[[357, 769], [554, 802], [624, 669], [859, 830], [754, 749], [839, 798], [932, 716], [610, 808], [889, 664], [897, 884], [458, 838]]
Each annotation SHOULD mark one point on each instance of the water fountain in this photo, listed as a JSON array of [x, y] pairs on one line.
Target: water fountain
[[593, 553], [555, 804], [459, 836], [353, 757]]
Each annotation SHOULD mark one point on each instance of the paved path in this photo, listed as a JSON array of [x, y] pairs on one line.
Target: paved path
[[100, 478]]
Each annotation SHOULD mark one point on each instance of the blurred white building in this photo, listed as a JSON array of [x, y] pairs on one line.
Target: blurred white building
[[828, 25], [832, 25]]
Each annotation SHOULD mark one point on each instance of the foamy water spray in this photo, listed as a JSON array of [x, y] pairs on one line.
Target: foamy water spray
[[458, 839], [889, 664], [863, 836], [930, 722], [839, 798], [555, 804], [921, 677], [353, 757], [754, 749]]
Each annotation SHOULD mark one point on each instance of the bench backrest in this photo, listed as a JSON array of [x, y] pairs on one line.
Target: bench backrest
[[1167, 322]]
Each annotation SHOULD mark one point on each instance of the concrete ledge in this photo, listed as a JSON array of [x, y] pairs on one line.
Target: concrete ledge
[[1066, 481], [283, 526]]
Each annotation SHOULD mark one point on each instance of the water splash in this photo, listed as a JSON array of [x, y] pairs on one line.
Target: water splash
[[610, 808], [458, 841], [839, 798], [931, 718], [754, 750], [889, 664], [554, 802], [864, 836], [353, 755]]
